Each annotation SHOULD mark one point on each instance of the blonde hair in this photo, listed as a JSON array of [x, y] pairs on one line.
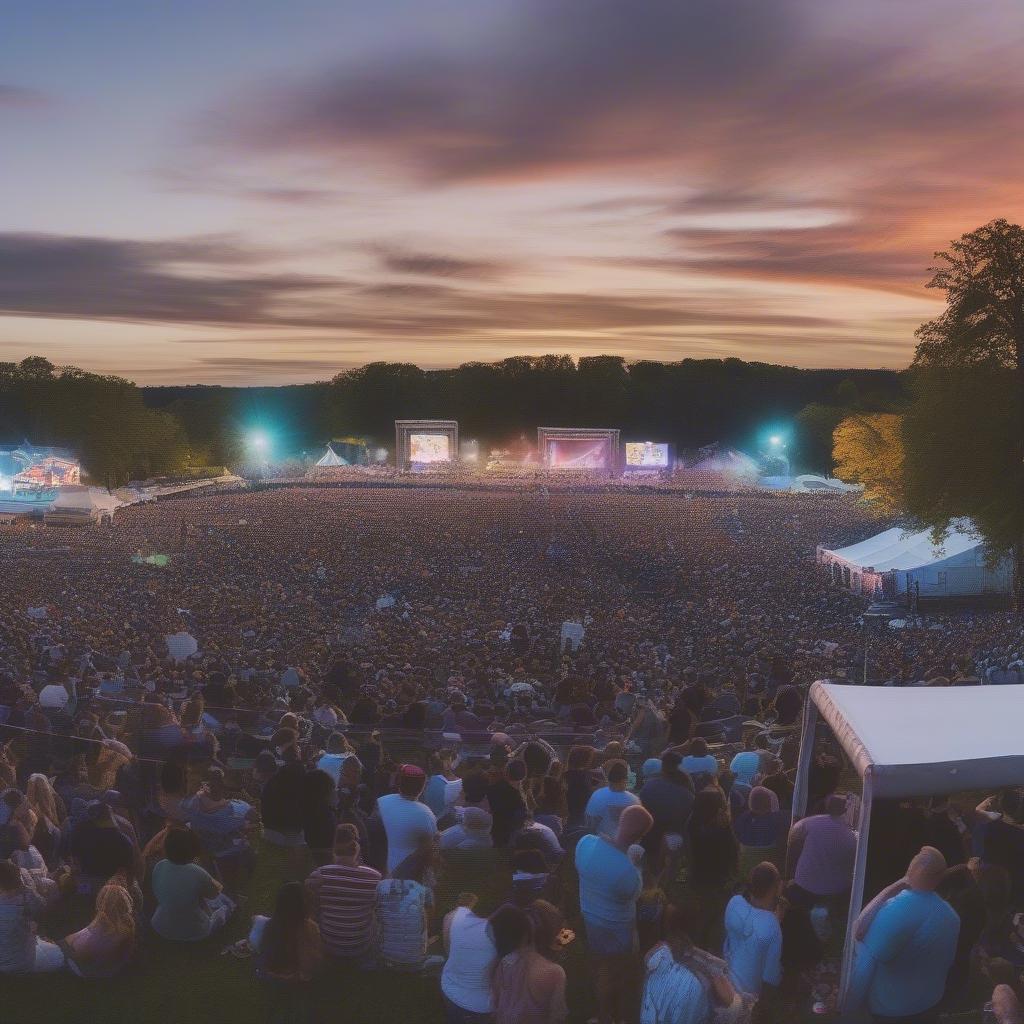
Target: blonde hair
[[114, 910], [192, 712], [44, 800]]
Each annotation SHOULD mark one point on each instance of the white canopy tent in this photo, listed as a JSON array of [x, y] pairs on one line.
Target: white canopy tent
[[958, 566], [331, 458], [906, 742]]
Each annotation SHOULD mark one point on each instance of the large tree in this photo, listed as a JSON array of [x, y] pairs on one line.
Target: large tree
[[869, 450], [964, 433]]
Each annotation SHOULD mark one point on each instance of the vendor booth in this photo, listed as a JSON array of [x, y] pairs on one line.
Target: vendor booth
[[913, 742]]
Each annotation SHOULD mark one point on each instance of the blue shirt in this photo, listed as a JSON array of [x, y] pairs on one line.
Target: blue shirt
[[902, 964], [609, 882]]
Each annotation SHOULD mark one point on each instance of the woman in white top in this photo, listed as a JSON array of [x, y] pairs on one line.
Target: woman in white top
[[467, 974], [685, 985], [404, 904]]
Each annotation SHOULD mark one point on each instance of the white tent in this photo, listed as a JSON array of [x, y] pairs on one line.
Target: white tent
[[956, 567], [331, 458], [906, 742], [808, 483], [77, 503]]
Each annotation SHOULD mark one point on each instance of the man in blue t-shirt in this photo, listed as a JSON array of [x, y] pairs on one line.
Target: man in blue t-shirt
[[908, 937], [609, 887]]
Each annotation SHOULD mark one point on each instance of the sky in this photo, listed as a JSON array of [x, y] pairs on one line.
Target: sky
[[260, 192]]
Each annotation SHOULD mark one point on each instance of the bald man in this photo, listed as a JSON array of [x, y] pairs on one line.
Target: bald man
[[609, 887], [907, 941]]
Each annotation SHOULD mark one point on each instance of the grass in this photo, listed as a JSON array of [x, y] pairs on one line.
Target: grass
[[195, 984]]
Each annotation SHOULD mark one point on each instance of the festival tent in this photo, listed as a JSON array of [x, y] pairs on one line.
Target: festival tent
[[77, 505], [331, 458], [808, 483], [910, 742], [897, 561]]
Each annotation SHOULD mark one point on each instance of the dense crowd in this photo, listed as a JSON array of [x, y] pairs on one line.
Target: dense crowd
[[597, 691]]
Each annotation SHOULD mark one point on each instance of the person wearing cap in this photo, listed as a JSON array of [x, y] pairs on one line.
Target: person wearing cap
[[344, 897], [406, 821], [472, 833]]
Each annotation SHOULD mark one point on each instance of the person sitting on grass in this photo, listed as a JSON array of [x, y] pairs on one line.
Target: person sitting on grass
[[190, 903], [405, 902], [21, 949], [528, 988], [107, 944], [344, 895], [287, 944]]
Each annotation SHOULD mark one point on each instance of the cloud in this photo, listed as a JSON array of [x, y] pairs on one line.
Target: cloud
[[117, 279], [435, 265]]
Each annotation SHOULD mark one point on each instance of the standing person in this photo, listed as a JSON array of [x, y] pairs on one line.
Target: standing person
[[287, 943], [318, 814], [907, 939], [714, 860], [406, 821], [507, 802], [608, 802], [528, 988], [822, 849], [609, 886], [753, 933], [344, 898], [668, 795], [467, 973], [107, 944]]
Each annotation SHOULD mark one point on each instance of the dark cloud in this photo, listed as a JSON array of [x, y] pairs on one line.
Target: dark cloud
[[702, 84], [435, 265], [116, 279]]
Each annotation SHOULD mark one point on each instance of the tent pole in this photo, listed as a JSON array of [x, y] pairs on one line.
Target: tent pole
[[856, 889], [803, 767]]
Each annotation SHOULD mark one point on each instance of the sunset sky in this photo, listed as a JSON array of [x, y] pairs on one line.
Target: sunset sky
[[261, 191]]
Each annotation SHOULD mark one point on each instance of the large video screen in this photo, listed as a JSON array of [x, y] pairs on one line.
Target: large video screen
[[646, 454], [429, 448], [578, 453]]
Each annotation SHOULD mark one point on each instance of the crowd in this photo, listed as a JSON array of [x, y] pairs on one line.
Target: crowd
[[421, 695]]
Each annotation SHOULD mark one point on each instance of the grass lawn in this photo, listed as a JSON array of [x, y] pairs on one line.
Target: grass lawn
[[195, 984]]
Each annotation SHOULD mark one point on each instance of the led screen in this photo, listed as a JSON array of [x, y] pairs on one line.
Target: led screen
[[578, 453], [647, 453], [428, 448]]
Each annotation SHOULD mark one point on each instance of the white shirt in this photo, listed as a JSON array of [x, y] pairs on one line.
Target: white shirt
[[672, 993], [605, 807], [332, 764], [753, 946], [405, 823], [466, 978], [53, 695]]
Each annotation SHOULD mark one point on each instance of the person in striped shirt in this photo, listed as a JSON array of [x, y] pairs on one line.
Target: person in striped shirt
[[344, 896]]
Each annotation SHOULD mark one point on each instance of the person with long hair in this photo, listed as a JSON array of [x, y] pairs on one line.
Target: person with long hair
[[50, 815], [683, 984], [528, 988], [287, 943], [107, 943]]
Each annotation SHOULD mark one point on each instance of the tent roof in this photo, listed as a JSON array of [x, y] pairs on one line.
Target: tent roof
[[331, 458], [896, 549], [920, 741]]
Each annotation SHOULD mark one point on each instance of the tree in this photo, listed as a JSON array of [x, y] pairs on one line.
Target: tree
[[815, 426], [868, 449], [965, 431]]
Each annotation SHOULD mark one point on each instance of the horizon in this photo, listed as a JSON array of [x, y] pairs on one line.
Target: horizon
[[251, 195]]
